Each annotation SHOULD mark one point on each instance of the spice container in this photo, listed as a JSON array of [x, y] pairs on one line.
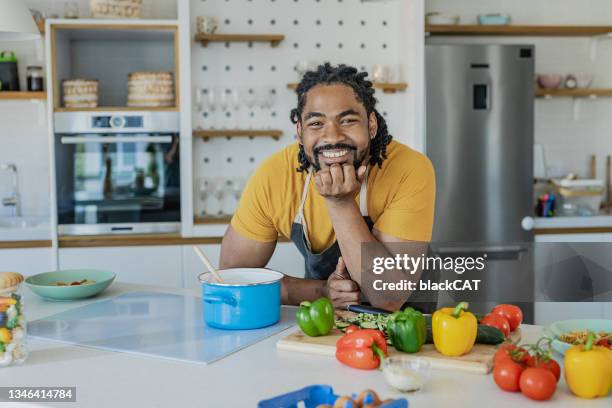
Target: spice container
[[406, 373], [34, 75], [13, 348]]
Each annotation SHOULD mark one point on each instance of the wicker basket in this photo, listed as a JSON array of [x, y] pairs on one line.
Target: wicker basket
[[152, 89], [115, 8], [80, 93]]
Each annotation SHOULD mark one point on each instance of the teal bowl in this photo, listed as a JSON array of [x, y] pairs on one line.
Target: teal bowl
[[44, 285], [555, 330]]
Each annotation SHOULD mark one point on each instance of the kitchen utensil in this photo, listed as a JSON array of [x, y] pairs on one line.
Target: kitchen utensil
[[115, 8], [206, 24], [9, 77], [152, 324], [593, 166], [579, 197], [366, 309], [441, 18], [556, 329], [479, 360], [248, 298], [549, 81], [45, 284], [206, 262], [494, 19]]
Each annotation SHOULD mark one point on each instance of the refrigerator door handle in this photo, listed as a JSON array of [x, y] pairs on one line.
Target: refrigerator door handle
[[497, 253]]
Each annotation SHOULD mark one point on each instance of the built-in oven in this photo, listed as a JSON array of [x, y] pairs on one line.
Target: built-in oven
[[117, 172]]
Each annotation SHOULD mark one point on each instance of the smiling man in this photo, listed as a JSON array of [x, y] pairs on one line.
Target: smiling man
[[343, 184]]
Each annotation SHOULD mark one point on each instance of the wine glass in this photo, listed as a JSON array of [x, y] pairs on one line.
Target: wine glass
[[199, 103], [219, 190], [235, 103], [204, 188], [250, 100], [210, 105]]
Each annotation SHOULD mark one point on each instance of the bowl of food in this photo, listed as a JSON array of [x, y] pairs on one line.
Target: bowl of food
[[406, 373], [567, 333], [70, 284]]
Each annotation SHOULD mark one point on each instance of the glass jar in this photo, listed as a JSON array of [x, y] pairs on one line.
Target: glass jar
[[13, 347], [35, 78]]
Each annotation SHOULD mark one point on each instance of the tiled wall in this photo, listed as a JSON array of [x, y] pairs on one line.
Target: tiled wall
[[568, 141]]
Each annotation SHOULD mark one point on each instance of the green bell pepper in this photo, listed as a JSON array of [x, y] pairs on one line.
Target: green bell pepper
[[316, 318], [407, 330]]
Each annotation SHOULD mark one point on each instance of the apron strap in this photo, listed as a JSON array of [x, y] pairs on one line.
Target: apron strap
[[363, 206]]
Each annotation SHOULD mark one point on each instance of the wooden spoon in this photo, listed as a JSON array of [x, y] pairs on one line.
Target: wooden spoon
[[206, 262]]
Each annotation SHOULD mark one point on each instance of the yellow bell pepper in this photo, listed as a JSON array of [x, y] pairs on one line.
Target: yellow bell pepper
[[588, 369], [454, 330]]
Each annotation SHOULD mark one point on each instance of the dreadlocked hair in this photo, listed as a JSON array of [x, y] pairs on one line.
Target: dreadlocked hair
[[349, 76]]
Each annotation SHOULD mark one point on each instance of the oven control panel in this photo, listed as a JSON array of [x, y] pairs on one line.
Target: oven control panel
[[116, 122]]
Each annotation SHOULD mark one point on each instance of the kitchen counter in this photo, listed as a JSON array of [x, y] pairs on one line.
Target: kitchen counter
[[573, 225], [261, 371], [25, 232]]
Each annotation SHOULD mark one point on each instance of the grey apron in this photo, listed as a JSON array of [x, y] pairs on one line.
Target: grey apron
[[320, 266]]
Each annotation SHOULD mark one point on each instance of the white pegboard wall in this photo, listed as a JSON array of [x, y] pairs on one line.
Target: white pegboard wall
[[338, 31]]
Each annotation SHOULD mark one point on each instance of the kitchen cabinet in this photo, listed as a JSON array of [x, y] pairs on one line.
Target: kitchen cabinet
[[286, 259], [26, 261], [149, 265]]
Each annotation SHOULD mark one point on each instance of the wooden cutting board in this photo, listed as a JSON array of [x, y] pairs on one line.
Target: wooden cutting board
[[479, 360]]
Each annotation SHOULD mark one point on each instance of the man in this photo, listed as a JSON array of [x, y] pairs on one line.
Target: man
[[343, 184]]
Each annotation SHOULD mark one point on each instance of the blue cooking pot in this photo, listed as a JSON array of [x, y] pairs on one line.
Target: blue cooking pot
[[248, 298]]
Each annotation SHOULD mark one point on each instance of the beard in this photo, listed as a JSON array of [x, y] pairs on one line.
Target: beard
[[359, 156]]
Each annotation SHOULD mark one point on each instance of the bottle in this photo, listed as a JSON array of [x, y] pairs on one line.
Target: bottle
[[35, 78], [13, 347]]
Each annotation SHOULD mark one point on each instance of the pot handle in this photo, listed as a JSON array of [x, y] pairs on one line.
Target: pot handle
[[229, 300]]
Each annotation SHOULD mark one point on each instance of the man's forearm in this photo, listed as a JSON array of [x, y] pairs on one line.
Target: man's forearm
[[351, 231], [296, 290]]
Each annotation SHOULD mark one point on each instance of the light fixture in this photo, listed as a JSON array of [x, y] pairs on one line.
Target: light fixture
[[16, 21]]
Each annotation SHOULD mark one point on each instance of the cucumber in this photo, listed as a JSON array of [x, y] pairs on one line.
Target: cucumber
[[484, 335]]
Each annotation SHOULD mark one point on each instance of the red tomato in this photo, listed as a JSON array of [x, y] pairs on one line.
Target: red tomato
[[497, 321], [538, 383], [550, 365], [504, 351], [514, 314], [507, 374]]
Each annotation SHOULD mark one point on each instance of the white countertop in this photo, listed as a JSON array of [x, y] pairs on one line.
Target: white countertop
[[574, 222], [25, 229], [109, 379]]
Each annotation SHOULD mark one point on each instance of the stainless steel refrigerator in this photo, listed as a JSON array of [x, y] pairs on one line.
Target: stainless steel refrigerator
[[480, 101]]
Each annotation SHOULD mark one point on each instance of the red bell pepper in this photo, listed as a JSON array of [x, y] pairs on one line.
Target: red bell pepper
[[363, 349]]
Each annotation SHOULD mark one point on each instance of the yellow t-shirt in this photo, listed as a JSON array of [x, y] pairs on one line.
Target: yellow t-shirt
[[400, 201]]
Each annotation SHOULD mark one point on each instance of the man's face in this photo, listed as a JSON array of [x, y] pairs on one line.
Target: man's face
[[335, 127]]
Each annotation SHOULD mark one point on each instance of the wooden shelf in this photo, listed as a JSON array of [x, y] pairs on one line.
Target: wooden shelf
[[119, 108], [518, 30], [273, 39], [573, 93], [8, 95], [386, 87], [197, 220], [206, 134]]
